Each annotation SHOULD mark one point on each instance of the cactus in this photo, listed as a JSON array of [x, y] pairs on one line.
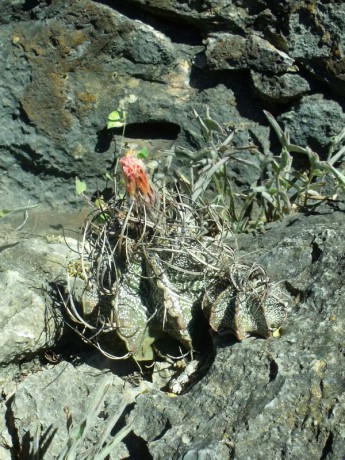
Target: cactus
[[156, 259]]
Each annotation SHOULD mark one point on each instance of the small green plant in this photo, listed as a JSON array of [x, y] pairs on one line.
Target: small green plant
[[117, 119], [280, 189], [317, 168], [80, 186], [143, 154], [78, 433]]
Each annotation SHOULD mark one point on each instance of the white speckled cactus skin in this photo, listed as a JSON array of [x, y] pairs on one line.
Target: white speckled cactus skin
[[152, 299], [251, 309]]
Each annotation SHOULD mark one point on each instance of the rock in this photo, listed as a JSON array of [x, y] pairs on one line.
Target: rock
[[233, 52], [226, 52], [14, 9], [263, 56], [74, 71], [30, 321], [66, 71], [263, 393], [314, 121], [279, 88], [255, 392], [205, 16], [64, 74], [307, 38], [5, 438], [315, 39], [68, 392]]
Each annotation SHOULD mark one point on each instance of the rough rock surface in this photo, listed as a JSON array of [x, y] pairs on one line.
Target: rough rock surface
[[280, 398], [279, 88], [29, 322], [63, 388], [276, 398], [66, 66], [69, 64], [313, 121]]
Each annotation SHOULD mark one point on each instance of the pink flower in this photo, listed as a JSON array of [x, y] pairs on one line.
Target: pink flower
[[137, 180]]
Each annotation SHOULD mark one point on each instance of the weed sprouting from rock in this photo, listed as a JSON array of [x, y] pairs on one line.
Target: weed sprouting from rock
[[280, 189]]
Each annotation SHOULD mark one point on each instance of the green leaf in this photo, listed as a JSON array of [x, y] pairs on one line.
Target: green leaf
[[286, 158], [318, 173], [205, 131], [204, 180], [212, 125], [143, 153], [277, 129], [116, 119], [80, 186], [267, 197]]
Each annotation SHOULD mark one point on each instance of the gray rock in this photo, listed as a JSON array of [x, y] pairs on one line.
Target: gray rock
[[264, 57], [5, 437], [306, 40], [279, 88], [233, 52], [206, 16], [254, 398], [71, 72], [226, 52], [65, 72], [316, 40], [313, 121], [29, 321], [259, 395], [47, 397], [68, 66]]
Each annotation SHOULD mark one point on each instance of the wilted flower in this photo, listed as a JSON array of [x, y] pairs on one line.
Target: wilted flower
[[137, 180]]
